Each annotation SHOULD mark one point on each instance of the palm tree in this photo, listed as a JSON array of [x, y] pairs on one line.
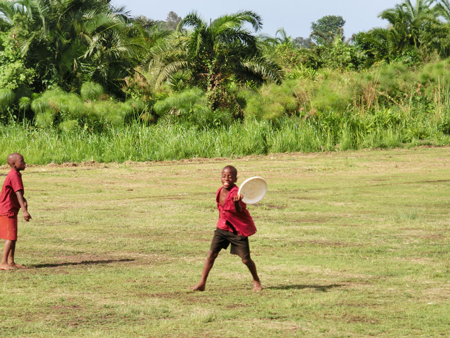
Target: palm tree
[[70, 41], [214, 54], [112, 46], [410, 21], [413, 28], [282, 38]]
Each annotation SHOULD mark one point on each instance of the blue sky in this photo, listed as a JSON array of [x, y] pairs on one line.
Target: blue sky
[[294, 16]]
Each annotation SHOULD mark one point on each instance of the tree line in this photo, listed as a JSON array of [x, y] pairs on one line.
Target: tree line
[[88, 64]]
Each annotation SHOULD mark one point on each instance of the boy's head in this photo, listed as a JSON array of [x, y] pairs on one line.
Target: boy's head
[[16, 161], [229, 176]]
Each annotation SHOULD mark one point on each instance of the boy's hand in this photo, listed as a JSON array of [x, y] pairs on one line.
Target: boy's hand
[[238, 198], [26, 216]]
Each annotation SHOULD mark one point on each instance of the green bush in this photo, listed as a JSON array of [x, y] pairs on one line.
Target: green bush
[[45, 119], [69, 126], [273, 102], [190, 107], [91, 91], [56, 107], [7, 97], [385, 87]]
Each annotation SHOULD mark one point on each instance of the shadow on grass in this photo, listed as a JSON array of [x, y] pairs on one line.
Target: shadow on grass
[[55, 265], [323, 288]]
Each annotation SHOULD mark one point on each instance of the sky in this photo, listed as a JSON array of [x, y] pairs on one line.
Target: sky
[[295, 16]]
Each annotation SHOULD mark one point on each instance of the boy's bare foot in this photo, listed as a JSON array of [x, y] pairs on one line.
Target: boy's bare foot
[[198, 287], [18, 266], [6, 267], [257, 286]]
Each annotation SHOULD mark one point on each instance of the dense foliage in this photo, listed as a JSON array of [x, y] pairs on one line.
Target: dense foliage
[[85, 66]]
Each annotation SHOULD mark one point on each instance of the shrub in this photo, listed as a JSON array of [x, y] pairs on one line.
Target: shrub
[[91, 91], [24, 103], [14, 75], [190, 107], [272, 101], [7, 97], [68, 111]]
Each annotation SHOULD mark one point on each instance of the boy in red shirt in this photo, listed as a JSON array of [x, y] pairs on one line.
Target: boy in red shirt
[[11, 200], [235, 225]]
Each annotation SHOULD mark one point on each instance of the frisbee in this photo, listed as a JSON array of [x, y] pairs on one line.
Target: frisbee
[[253, 190]]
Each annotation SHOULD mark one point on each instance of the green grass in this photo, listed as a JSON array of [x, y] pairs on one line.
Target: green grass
[[164, 142], [349, 244]]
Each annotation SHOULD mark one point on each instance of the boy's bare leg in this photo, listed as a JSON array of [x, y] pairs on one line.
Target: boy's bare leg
[[206, 269], [11, 257], [6, 252], [252, 267]]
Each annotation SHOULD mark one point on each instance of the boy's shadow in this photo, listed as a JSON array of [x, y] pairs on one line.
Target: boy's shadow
[[55, 265], [322, 288]]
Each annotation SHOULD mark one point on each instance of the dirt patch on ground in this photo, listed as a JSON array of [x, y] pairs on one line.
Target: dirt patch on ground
[[272, 206], [303, 198], [66, 308], [72, 164], [311, 220], [437, 181], [424, 235], [235, 306], [359, 319], [187, 297], [327, 244]]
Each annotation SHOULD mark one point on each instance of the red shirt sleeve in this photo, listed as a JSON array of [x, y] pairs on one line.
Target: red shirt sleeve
[[16, 183]]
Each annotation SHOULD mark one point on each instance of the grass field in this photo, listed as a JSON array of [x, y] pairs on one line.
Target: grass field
[[349, 244]]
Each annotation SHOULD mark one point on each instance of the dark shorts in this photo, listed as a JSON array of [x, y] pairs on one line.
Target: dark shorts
[[239, 244]]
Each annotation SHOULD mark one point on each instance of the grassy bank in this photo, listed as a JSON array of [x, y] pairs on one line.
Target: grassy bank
[[350, 244], [330, 132]]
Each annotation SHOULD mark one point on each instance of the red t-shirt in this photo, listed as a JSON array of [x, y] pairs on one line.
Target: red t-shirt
[[9, 204], [242, 221]]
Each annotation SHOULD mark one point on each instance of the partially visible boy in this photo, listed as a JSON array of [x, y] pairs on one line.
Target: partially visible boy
[[235, 225], [11, 200]]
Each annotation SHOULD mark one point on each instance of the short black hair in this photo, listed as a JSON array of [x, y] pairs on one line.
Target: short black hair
[[233, 169], [12, 157]]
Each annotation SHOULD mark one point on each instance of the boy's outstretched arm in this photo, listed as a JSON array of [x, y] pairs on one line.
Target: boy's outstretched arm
[[23, 204], [236, 200]]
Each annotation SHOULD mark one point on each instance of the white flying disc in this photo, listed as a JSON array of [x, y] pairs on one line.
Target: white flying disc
[[253, 189]]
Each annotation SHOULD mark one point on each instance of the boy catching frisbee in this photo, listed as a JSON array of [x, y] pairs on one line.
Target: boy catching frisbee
[[11, 200], [234, 227]]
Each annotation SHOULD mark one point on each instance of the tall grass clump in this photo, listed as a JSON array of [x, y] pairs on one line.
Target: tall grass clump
[[70, 111], [7, 98], [190, 107], [91, 91], [273, 101]]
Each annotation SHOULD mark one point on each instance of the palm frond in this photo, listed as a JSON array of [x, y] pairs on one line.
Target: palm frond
[[267, 69], [238, 19], [193, 19]]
